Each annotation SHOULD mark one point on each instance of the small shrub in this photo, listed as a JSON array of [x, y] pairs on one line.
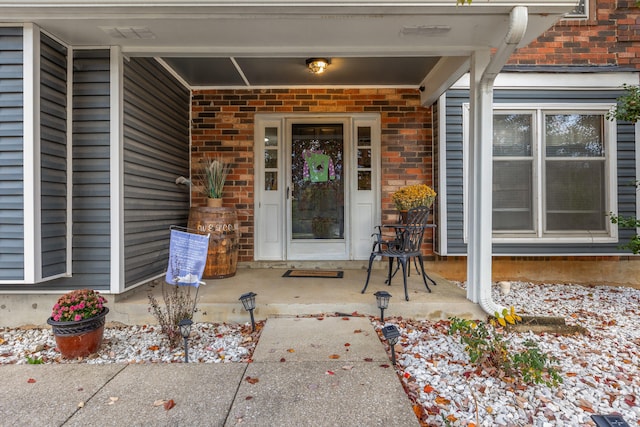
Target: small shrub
[[628, 222], [535, 366], [482, 344], [627, 106], [487, 348], [34, 360], [178, 305]]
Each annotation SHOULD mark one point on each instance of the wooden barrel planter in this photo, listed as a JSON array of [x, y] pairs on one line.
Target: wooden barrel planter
[[224, 239]]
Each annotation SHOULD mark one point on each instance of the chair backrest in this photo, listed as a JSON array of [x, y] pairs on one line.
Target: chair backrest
[[418, 215], [413, 232]]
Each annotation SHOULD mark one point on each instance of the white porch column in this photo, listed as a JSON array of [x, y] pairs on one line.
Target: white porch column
[[480, 179], [484, 69]]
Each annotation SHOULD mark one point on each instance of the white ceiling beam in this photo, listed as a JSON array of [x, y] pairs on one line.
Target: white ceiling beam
[[446, 72]]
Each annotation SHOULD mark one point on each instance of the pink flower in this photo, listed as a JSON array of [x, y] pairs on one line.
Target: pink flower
[[77, 317]]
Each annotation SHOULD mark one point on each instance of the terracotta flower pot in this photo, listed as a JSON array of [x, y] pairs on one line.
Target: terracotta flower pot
[[81, 338]]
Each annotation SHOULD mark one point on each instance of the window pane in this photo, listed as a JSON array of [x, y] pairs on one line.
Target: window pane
[[513, 195], [574, 135], [271, 137], [364, 158], [364, 180], [271, 181], [575, 195], [364, 136], [512, 135], [271, 159]]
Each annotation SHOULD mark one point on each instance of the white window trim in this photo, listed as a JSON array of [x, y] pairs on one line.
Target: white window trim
[[578, 16], [610, 168]]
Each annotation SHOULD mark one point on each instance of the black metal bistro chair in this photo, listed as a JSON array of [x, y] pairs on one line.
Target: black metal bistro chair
[[406, 245]]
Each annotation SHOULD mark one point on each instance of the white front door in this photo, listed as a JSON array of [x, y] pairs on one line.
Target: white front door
[[317, 191]]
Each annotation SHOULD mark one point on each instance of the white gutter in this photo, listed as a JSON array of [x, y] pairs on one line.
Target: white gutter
[[518, 20]]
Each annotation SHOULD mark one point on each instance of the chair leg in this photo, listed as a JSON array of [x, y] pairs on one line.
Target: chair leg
[[371, 258], [424, 275], [390, 275], [403, 261]]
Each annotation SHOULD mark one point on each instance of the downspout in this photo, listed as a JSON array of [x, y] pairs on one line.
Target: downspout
[[518, 20]]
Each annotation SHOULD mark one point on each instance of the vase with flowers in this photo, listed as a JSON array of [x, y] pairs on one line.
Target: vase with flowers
[[77, 321], [211, 176], [412, 196]]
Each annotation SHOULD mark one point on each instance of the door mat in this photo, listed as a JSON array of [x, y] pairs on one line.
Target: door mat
[[324, 274]]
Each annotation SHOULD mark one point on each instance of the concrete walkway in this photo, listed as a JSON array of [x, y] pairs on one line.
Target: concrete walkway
[[305, 372]]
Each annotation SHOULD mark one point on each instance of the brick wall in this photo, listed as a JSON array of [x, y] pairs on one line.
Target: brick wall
[[223, 123], [611, 36]]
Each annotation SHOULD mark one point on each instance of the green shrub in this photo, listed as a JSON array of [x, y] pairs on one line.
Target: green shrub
[[488, 349]]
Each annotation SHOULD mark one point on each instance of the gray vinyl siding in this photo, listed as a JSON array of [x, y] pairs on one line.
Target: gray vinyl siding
[[91, 242], [53, 156], [91, 168], [11, 155], [156, 152], [626, 192]]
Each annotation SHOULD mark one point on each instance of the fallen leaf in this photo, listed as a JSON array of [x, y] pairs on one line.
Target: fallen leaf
[[153, 348], [169, 404], [368, 359], [489, 410], [357, 331], [2, 341], [291, 350], [81, 405], [419, 411], [630, 400], [585, 405], [571, 374], [330, 373], [384, 365], [251, 380], [282, 359], [248, 398], [347, 367], [347, 344], [442, 401], [346, 318], [451, 418], [428, 389], [406, 375], [31, 380], [159, 402], [334, 356], [433, 410], [112, 400]]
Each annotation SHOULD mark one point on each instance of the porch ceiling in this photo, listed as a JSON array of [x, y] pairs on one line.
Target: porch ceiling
[[253, 44]]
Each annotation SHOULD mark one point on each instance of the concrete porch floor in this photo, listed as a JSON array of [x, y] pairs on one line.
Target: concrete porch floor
[[280, 296]]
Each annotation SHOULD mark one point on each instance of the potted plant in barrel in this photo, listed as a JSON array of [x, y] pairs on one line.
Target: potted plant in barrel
[[77, 321], [212, 176], [413, 196]]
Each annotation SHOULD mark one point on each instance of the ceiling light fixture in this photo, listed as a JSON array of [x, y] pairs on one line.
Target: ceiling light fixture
[[317, 65]]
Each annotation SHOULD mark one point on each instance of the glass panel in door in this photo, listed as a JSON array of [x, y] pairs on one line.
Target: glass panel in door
[[317, 193]]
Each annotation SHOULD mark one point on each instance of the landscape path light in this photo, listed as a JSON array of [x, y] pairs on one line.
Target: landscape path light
[[391, 334], [382, 299], [249, 302], [185, 331]]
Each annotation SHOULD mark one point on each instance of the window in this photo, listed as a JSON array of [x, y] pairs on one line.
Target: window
[[551, 172], [581, 11]]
